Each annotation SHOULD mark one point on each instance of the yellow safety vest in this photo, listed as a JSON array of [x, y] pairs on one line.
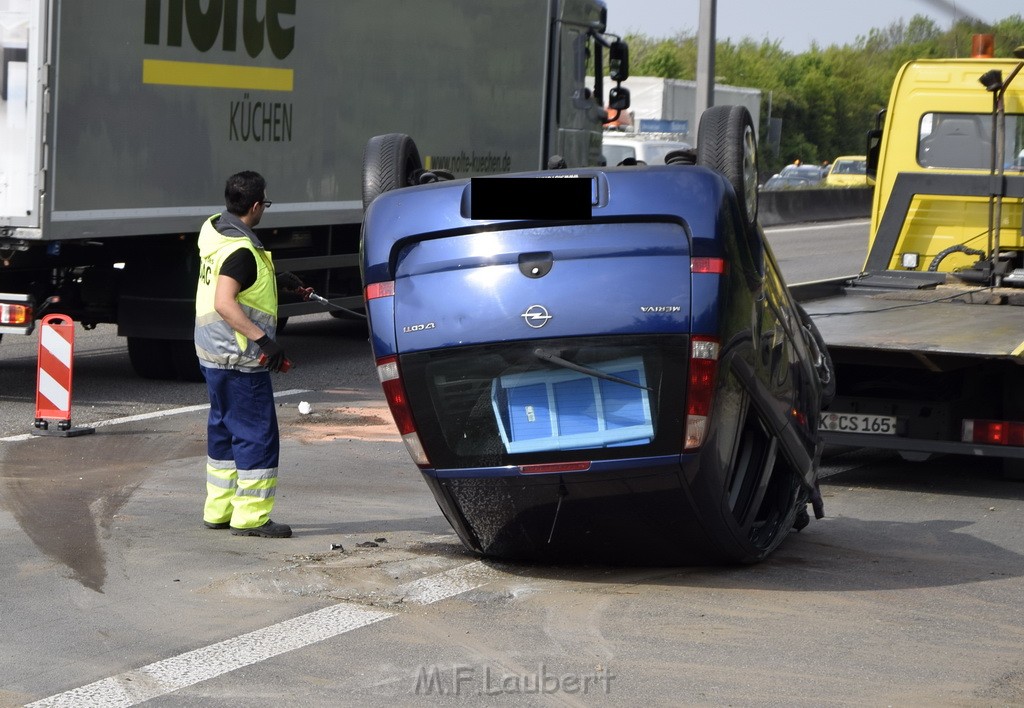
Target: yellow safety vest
[[218, 345]]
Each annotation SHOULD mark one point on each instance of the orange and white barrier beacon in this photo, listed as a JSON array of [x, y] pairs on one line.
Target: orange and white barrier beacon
[[53, 379]]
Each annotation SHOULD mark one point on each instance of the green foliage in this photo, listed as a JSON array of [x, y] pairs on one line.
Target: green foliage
[[827, 98]]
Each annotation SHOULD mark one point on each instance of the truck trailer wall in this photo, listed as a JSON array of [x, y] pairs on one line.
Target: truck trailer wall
[[656, 99], [20, 118], [156, 102]]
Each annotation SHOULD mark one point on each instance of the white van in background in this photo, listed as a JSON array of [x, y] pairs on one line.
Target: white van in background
[[642, 148]]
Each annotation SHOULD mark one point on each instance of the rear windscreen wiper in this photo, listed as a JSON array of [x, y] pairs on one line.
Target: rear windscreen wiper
[[596, 373]]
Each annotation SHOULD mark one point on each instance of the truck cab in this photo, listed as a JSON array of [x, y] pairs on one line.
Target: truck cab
[[949, 175]]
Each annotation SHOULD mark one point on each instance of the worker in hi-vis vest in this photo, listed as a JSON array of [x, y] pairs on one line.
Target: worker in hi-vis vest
[[236, 326]]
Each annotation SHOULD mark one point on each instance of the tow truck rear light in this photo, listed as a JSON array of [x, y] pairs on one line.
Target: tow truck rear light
[[700, 389], [394, 391], [994, 432], [377, 290], [18, 315]]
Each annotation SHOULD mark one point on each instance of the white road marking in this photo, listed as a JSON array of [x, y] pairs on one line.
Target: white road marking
[[450, 583], [149, 416], [162, 677]]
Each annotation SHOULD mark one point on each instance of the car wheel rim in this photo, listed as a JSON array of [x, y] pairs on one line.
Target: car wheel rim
[[750, 172]]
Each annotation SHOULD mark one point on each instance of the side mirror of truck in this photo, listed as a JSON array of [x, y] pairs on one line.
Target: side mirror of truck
[[618, 98], [618, 61], [873, 150]]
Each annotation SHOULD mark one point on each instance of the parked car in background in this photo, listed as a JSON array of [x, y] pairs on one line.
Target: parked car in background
[[600, 364], [649, 150], [795, 177], [779, 182], [812, 173], [848, 171]]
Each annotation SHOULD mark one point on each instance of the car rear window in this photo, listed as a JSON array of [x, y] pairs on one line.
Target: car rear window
[[580, 398]]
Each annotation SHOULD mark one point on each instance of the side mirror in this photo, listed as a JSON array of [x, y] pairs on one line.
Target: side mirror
[[873, 150], [618, 98], [618, 61]]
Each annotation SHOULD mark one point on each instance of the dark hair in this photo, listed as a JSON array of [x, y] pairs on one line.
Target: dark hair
[[243, 190]]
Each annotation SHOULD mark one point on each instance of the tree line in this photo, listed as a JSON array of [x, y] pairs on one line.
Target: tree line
[[827, 98]]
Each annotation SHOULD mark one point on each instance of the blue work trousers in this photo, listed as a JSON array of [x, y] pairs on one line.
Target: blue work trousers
[[243, 447]]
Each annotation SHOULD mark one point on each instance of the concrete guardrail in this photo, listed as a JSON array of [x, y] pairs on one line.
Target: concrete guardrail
[[790, 206]]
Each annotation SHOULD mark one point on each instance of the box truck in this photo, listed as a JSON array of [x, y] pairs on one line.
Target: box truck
[[121, 120]]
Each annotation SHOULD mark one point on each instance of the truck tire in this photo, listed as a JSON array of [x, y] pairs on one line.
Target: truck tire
[[726, 143], [150, 358], [184, 361], [164, 359], [389, 162]]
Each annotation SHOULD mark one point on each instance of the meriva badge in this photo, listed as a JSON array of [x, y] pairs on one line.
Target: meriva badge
[[536, 316]]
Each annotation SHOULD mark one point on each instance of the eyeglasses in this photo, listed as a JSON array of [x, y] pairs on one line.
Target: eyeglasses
[[266, 203]]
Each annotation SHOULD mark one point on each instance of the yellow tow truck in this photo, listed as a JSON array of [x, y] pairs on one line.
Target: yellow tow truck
[[927, 342]]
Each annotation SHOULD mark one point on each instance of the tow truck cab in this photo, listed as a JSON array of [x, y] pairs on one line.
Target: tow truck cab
[[946, 193]]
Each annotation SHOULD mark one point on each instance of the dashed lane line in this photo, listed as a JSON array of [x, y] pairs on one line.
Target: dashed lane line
[[163, 677]]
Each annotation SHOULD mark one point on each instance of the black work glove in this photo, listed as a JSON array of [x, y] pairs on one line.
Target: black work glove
[[291, 283], [273, 352]]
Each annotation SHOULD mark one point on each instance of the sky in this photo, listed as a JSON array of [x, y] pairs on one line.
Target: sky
[[795, 23]]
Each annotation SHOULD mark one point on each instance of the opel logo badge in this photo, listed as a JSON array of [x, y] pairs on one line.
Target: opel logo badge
[[536, 316]]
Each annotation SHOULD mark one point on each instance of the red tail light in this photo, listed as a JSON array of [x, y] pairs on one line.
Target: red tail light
[[376, 290], [394, 391], [707, 265], [994, 432], [700, 389]]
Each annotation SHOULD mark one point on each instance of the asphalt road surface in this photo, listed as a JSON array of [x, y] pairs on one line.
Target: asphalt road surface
[[114, 594]]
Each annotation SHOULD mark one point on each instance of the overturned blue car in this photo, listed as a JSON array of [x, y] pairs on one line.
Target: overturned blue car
[[596, 364]]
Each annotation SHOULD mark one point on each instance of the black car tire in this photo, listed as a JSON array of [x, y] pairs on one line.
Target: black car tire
[[389, 162], [762, 494], [726, 143]]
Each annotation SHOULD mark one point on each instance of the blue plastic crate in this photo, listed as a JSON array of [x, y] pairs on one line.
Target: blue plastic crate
[[567, 410]]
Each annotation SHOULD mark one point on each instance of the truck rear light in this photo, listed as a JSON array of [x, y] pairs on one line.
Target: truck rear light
[[994, 432], [11, 314], [394, 391], [700, 389], [377, 290]]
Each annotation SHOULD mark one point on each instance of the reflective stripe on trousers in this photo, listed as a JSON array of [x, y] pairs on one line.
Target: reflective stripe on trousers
[[243, 448]]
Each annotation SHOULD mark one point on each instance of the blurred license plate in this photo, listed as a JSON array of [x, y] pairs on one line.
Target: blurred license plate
[[857, 423]]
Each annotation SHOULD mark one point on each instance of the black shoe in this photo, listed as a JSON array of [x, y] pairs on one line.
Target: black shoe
[[267, 530], [216, 525]]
